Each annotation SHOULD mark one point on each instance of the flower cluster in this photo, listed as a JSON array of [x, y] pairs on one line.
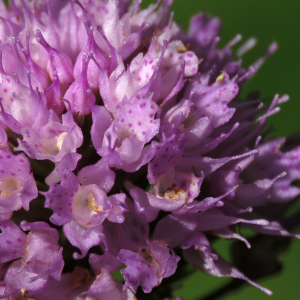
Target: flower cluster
[[123, 147]]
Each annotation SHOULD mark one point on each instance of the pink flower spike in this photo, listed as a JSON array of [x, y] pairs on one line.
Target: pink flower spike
[[54, 95], [100, 56], [22, 70], [61, 61], [79, 94], [132, 42], [115, 58], [36, 70]]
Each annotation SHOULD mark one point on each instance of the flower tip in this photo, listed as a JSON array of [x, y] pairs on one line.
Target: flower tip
[[100, 30], [248, 45], [69, 108], [76, 255], [182, 63], [283, 99], [191, 94], [282, 174], [217, 40], [249, 209], [263, 222], [273, 47], [39, 36], [146, 26], [267, 291], [1, 106], [238, 37], [234, 41]]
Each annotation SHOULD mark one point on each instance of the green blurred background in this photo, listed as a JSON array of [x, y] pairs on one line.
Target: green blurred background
[[268, 21]]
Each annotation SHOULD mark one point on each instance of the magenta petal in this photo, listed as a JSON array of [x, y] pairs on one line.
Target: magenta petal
[[212, 100], [99, 174], [106, 261], [101, 122], [17, 185], [105, 287], [79, 95], [119, 207], [12, 241], [82, 237], [138, 272], [42, 258], [60, 60], [149, 267], [142, 204], [167, 154], [219, 267], [54, 95], [17, 277], [274, 228], [100, 56]]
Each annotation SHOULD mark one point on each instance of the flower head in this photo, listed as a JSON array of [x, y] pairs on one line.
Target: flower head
[[131, 132]]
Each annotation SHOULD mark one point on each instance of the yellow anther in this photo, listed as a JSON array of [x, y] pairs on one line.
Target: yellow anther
[[175, 193], [23, 292], [94, 207], [220, 78], [181, 49]]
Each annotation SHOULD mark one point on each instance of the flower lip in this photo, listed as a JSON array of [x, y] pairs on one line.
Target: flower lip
[[84, 204], [174, 193], [9, 185]]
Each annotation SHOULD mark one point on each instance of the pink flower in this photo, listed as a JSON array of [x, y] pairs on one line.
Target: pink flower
[[138, 148]]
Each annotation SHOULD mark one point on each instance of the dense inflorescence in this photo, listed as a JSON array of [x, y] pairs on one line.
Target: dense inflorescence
[[124, 148]]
